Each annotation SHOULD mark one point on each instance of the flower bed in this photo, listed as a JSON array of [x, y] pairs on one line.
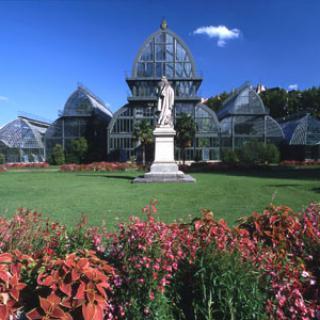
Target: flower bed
[[98, 166], [23, 165], [295, 163], [266, 267]]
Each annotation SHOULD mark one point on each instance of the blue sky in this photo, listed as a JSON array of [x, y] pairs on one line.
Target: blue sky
[[47, 46]]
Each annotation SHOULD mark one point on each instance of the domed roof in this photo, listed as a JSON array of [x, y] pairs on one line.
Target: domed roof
[[82, 103], [164, 54], [22, 133]]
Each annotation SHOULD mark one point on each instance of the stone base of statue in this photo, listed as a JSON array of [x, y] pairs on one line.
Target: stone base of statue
[[164, 168]]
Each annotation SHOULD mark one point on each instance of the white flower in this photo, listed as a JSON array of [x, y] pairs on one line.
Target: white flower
[[305, 274]]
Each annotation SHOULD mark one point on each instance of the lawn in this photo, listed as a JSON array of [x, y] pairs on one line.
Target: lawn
[[112, 197]]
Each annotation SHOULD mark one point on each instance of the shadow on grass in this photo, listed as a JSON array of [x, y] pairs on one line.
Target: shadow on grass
[[107, 176], [316, 190], [283, 185], [275, 173]]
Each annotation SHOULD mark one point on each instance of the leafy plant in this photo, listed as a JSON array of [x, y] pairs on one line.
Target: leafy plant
[[224, 287], [77, 287], [57, 156], [142, 133], [186, 129], [2, 158]]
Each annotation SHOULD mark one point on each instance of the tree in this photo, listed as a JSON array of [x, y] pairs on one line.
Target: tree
[[2, 158], [276, 99], [57, 156], [79, 149], [216, 103], [186, 130], [143, 134]]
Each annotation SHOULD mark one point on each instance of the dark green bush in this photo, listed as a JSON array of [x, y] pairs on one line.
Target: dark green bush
[[272, 154], [2, 158], [229, 157], [78, 150], [257, 152], [57, 156]]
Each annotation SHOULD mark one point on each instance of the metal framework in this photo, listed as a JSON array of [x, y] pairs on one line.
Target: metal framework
[[244, 118], [22, 140], [301, 129], [163, 54]]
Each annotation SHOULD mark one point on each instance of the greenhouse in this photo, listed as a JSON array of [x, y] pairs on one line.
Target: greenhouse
[[163, 54], [302, 137], [84, 115], [22, 140], [244, 118]]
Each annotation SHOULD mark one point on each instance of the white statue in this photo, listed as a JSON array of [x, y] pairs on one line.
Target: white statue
[[165, 103]]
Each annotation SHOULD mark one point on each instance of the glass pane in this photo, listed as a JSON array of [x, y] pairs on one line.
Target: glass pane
[[147, 54], [159, 69], [169, 53], [169, 38], [188, 71], [169, 70], [160, 38], [181, 54], [160, 52], [179, 70]]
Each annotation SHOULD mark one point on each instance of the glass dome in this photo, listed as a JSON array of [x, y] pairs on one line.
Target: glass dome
[[84, 115], [243, 100], [244, 118], [22, 140], [164, 54], [301, 130]]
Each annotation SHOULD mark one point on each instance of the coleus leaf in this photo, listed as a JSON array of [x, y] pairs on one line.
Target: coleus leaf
[[89, 311]]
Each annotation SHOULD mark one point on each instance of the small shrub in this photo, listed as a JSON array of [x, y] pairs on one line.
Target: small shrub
[[78, 151], [230, 157], [252, 152], [2, 158], [271, 153], [57, 156], [224, 287]]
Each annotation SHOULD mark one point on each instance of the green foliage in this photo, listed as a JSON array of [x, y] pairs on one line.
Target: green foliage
[[78, 151], [57, 156], [282, 103], [186, 129], [223, 287], [2, 158], [276, 99], [215, 103], [271, 154], [257, 152], [31, 158], [229, 157], [142, 133]]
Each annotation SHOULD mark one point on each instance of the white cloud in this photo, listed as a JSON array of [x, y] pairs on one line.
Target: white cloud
[[222, 33], [293, 87], [3, 98]]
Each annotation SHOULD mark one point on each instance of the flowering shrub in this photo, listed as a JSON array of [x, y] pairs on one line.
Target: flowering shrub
[[266, 267], [296, 163], [97, 166], [23, 165]]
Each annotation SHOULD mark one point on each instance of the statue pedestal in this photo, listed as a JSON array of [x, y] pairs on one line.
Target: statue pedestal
[[164, 168]]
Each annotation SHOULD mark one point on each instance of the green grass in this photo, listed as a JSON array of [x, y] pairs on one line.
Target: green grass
[[112, 197]]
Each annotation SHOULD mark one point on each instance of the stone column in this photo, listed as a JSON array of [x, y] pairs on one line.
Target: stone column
[[164, 168]]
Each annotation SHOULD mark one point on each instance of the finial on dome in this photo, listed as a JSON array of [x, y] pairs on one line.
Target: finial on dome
[[163, 24]]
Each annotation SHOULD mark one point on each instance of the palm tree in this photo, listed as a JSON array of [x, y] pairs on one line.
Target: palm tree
[[186, 130], [143, 134]]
